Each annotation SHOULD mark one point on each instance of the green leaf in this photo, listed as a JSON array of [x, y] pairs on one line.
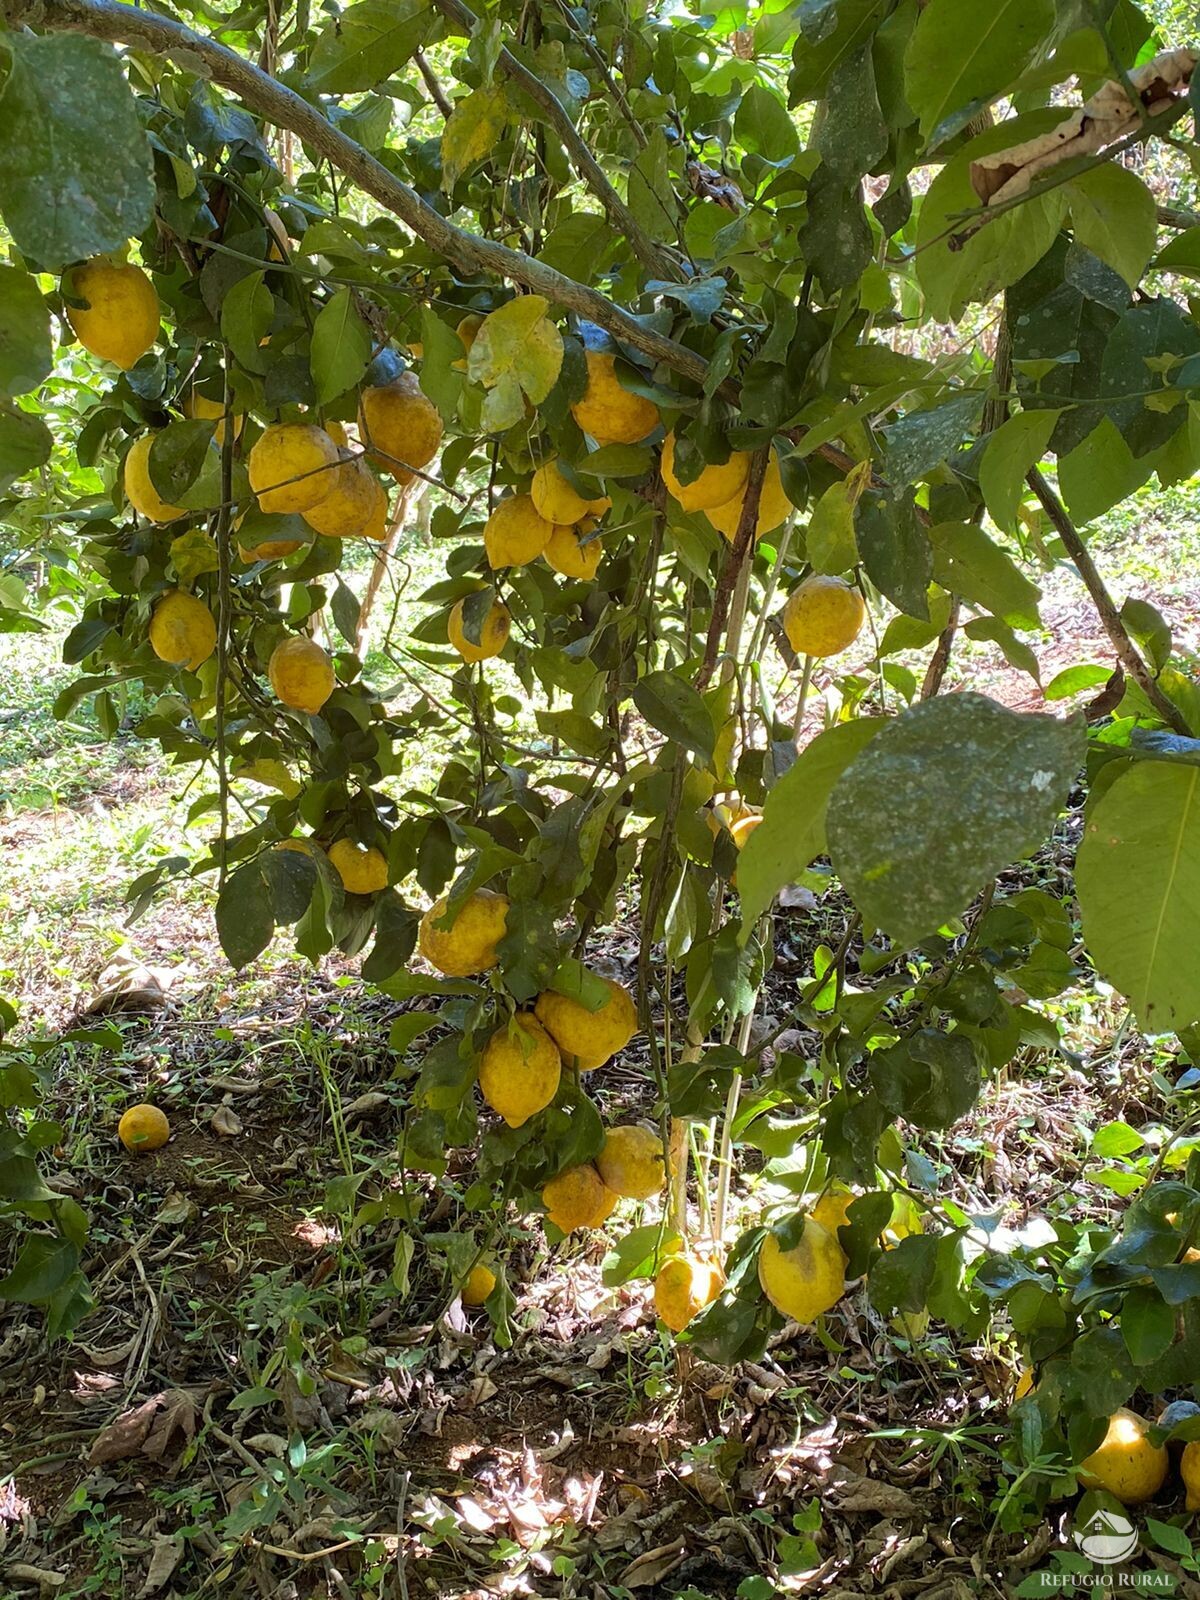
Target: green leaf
[[1182, 254], [959, 55], [341, 348], [1138, 881], [395, 940], [1113, 214], [1103, 1371], [792, 832], [1015, 447], [26, 354], [900, 1279], [1075, 680], [25, 443], [638, 1254], [1100, 472], [177, 457], [836, 237], [830, 544], [345, 607], [930, 1079], [895, 549], [923, 440], [529, 951], [368, 43], [966, 562], [676, 710], [76, 176], [473, 131], [651, 198], [579, 246], [1116, 1139], [1147, 1325], [852, 136], [942, 800], [245, 920], [763, 125], [41, 1269], [193, 553], [246, 314], [1132, 365], [518, 344]]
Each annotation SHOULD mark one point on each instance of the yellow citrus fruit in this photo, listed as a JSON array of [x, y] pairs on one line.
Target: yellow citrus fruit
[[556, 500], [480, 1282], [200, 408], [631, 1162], [1189, 1471], [774, 506], [515, 533], [832, 1211], [578, 1198], [139, 490], [683, 1287], [269, 550], [575, 552], [468, 945], [182, 630], [362, 870], [519, 1069], [1125, 1462], [741, 827], [493, 636], [592, 1037], [468, 329], [143, 1128], [717, 483], [609, 412], [120, 320], [1024, 1384], [291, 467], [823, 616], [301, 674], [807, 1280], [337, 432], [400, 426], [354, 505], [302, 847]]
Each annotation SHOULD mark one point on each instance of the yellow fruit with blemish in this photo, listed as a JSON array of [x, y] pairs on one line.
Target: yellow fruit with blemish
[[142, 1129], [823, 616], [301, 674], [469, 944], [589, 1038], [1189, 1471], [139, 489], [774, 507], [1125, 1462], [199, 408], [183, 630], [292, 467], [478, 1285], [607, 411], [683, 1286], [400, 426], [514, 533], [631, 1162], [807, 1280], [118, 320], [519, 1069], [575, 552], [556, 499], [493, 635], [717, 482], [354, 505], [362, 869], [578, 1198]]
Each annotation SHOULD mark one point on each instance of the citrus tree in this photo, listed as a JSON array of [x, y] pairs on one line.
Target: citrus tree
[[723, 337]]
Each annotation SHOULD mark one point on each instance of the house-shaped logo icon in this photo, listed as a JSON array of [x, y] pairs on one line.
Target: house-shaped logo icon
[[1106, 1537]]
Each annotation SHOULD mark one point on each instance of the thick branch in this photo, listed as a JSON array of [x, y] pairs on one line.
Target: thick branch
[[122, 24], [1127, 652], [584, 162]]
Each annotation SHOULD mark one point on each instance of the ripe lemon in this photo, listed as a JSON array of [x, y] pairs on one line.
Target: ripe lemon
[[592, 1037], [493, 636], [291, 467], [200, 408], [807, 1280], [1189, 1471], [683, 1287], [269, 550], [355, 505], [514, 533], [717, 483], [577, 1198], [468, 945], [143, 1128], [182, 630], [774, 506], [609, 412], [400, 426], [575, 552], [480, 1282], [120, 320], [468, 329], [832, 1211], [301, 674], [362, 871], [823, 616], [519, 1070], [139, 490], [556, 500], [1125, 1462], [337, 432], [631, 1162]]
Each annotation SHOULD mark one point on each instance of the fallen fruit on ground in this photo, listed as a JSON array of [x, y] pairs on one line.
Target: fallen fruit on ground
[[683, 1287], [291, 468], [823, 616], [578, 1198], [1125, 1462], [400, 427], [119, 323], [558, 501], [183, 631], [143, 1128], [519, 1069], [493, 635], [478, 1285], [574, 552], [301, 674], [362, 868], [717, 482], [515, 534], [609, 412], [139, 490], [589, 1037], [469, 944], [631, 1162], [807, 1280]]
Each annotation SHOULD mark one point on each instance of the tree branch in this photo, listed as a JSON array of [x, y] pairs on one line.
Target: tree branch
[[1127, 652], [434, 87], [122, 24], [585, 163]]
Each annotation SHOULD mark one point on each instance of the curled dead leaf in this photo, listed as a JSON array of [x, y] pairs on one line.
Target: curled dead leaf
[[225, 1123]]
